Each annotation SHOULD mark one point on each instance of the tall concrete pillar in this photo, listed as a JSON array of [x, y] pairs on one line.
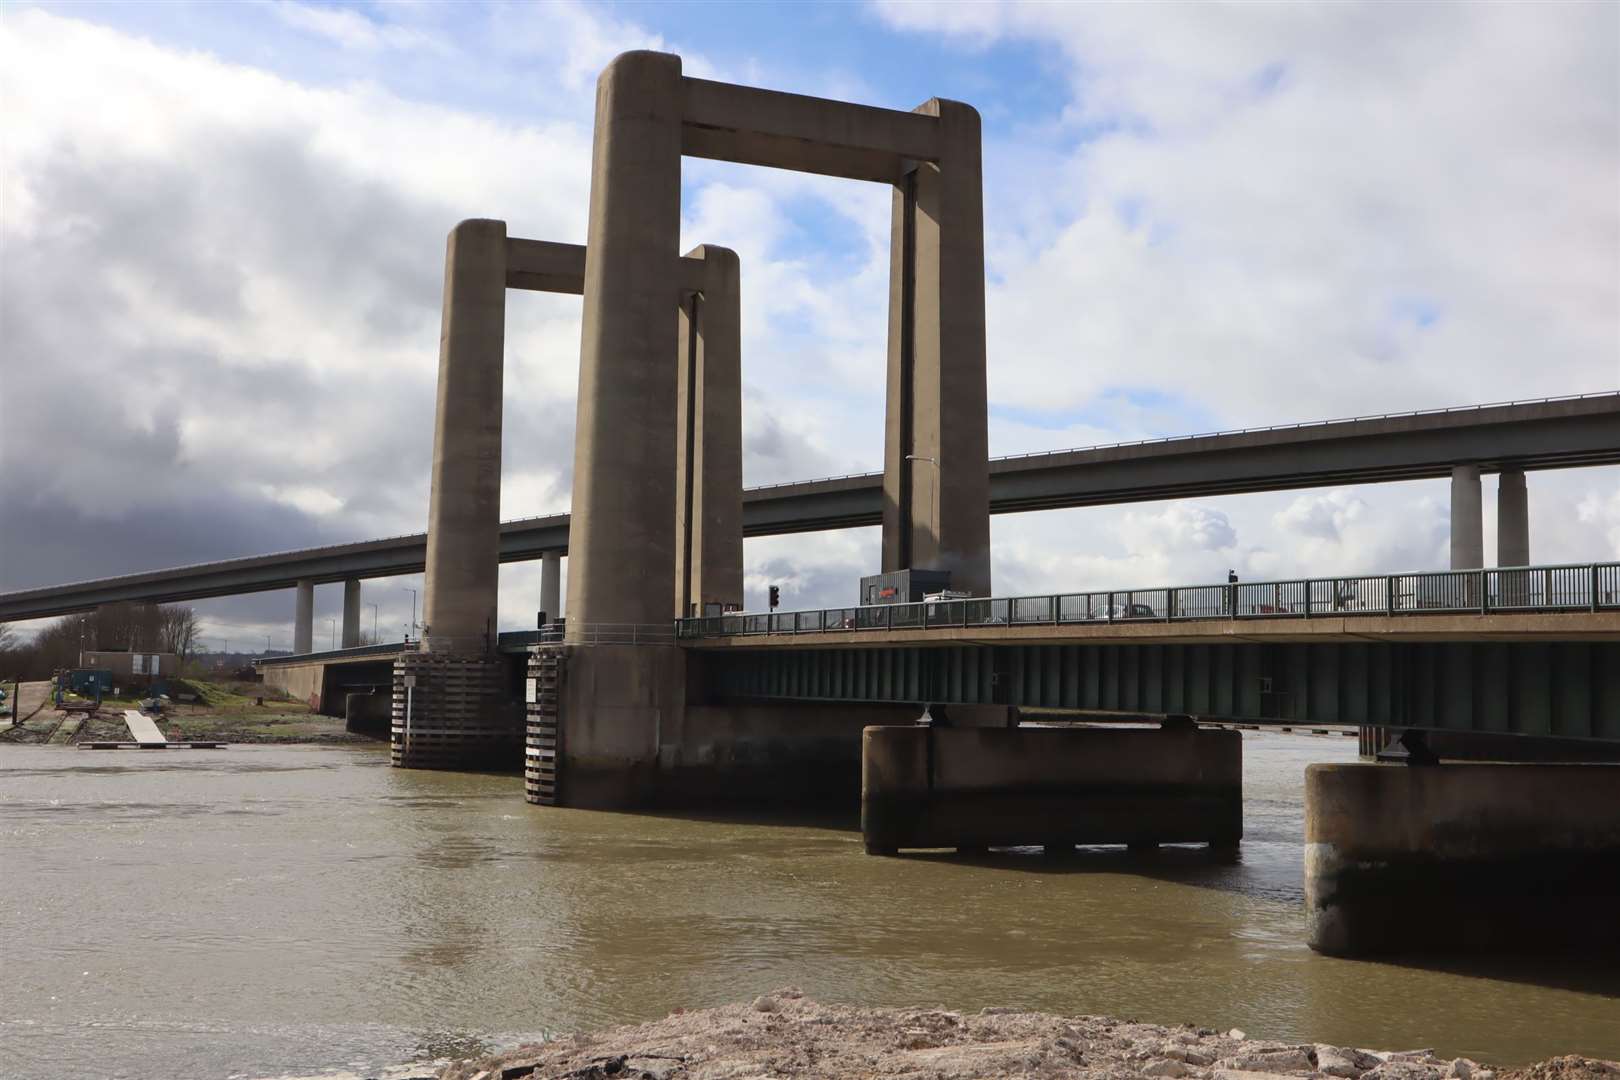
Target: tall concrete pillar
[[450, 708], [1467, 526], [551, 585], [621, 555], [936, 479], [304, 617], [464, 509], [1512, 519], [708, 446], [351, 613]]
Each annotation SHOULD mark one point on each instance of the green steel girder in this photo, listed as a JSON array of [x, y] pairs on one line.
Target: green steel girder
[[1563, 689]]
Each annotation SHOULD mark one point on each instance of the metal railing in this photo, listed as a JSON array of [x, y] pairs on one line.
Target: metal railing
[[606, 634], [1581, 587]]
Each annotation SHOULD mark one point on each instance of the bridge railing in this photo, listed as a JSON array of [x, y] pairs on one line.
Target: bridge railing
[[1577, 587]]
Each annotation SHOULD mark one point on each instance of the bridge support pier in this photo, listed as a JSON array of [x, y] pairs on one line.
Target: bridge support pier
[[1467, 523], [1513, 536], [551, 585], [304, 618], [450, 709], [351, 613], [968, 788], [1462, 857], [936, 492]]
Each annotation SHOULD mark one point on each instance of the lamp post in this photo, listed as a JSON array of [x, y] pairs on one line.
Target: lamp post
[[933, 495]]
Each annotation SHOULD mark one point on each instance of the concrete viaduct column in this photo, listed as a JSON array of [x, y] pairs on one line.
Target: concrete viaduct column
[[708, 445], [551, 585], [1467, 526], [351, 613], [304, 617], [1512, 519], [1512, 537], [936, 476], [621, 551]]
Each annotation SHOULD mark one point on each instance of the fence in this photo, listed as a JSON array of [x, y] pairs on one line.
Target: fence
[[1589, 587], [607, 634]]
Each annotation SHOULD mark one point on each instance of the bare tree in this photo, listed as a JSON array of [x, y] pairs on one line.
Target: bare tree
[[177, 629]]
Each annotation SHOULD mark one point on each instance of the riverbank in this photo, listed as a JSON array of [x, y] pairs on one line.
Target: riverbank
[[217, 712], [785, 1034]]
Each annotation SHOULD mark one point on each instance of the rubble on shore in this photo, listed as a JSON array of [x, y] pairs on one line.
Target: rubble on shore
[[785, 1034]]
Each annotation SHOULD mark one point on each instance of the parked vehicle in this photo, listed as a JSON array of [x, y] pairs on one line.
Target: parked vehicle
[[1123, 611]]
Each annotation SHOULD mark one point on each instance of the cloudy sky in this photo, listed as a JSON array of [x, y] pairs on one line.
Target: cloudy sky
[[223, 231]]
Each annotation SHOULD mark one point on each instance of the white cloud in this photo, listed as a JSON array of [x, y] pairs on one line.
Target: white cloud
[[349, 28], [1298, 211]]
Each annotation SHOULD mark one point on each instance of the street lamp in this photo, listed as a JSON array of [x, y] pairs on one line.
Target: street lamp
[[933, 495], [412, 629]]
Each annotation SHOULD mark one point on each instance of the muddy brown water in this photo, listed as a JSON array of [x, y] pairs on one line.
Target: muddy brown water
[[269, 910]]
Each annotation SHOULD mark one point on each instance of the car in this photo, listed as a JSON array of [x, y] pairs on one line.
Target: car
[[1123, 611]]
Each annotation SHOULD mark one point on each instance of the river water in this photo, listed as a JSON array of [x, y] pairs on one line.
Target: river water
[[259, 911]]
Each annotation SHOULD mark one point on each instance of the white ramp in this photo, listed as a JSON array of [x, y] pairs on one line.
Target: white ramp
[[142, 728]]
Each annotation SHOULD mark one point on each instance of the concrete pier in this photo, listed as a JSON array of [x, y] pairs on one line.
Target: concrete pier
[[931, 787], [708, 445], [351, 614], [1512, 537], [621, 554], [696, 753], [450, 707], [304, 617], [936, 478], [1462, 857], [1467, 524], [1512, 519], [464, 509], [551, 585]]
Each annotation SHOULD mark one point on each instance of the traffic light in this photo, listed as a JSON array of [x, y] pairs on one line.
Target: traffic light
[[776, 597]]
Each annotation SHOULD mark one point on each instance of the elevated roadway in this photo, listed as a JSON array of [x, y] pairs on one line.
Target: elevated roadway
[[1549, 434]]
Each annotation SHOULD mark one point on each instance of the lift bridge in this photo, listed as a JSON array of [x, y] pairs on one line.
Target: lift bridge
[[1520, 651]]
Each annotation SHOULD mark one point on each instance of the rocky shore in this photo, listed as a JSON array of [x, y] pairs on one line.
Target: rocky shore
[[785, 1034]]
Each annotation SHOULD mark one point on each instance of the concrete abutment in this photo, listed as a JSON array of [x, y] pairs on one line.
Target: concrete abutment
[[1462, 858]]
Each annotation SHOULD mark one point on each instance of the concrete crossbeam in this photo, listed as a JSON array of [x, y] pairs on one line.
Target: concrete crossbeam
[[545, 266], [753, 126]]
